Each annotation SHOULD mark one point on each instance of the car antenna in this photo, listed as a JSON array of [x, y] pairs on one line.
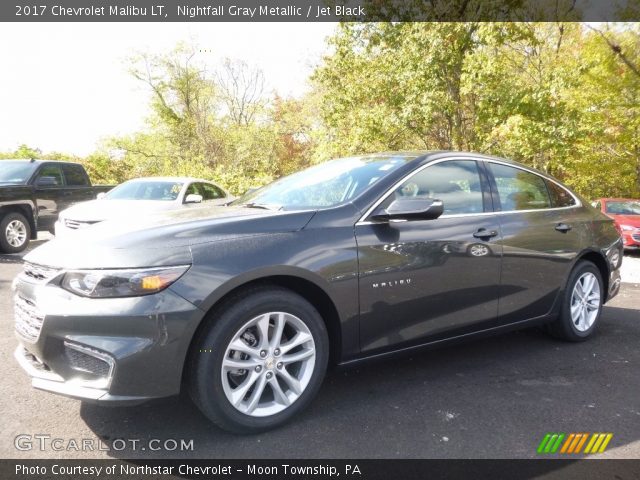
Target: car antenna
[[33, 159]]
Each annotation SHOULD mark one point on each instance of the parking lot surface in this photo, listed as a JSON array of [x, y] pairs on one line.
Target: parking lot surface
[[491, 398]]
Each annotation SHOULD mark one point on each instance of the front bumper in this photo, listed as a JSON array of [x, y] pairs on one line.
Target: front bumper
[[615, 280], [631, 239], [116, 351]]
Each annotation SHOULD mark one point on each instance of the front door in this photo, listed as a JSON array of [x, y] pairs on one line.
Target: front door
[[49, 191], [420, 279]]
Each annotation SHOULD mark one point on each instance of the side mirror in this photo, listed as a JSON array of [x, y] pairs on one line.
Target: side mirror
[[47, 182], [100, 196], [411, 209], [193, 198]]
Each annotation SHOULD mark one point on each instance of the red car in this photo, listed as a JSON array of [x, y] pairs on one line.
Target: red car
[[626, 213]]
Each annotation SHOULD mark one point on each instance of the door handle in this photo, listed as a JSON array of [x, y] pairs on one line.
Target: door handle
[[484, 233], [563, 227]]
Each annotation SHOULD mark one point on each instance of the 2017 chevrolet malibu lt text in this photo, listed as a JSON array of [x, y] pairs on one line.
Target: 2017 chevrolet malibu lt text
[[246, 305]]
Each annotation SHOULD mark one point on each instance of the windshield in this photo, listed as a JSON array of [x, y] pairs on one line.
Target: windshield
[[324, 185], [145, 190], [15, 172], [629, 207]]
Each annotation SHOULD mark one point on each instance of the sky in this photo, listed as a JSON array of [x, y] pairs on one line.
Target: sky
[[64, 86]]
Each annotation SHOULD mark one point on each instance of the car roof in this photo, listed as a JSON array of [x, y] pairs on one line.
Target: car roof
[[37, 161], [420, 155], [618, 199], [169, 179], [428, 155]]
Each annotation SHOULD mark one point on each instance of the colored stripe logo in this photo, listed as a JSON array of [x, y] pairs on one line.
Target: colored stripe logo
[[574, 443]]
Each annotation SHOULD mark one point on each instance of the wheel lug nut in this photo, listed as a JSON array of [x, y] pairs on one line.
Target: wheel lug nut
[[269, 374], [258, 368], [279, 365], [263, 353], [276, 352]]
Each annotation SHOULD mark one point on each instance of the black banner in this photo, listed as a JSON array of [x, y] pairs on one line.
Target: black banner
[[312, 469], [317, 10]]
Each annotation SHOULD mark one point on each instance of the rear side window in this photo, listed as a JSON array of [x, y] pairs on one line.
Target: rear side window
[[74, 174], [519, 189], [559, 196]]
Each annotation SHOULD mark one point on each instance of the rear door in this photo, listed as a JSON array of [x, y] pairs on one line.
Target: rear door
[[78, 188], [421, 279], [542, 232]]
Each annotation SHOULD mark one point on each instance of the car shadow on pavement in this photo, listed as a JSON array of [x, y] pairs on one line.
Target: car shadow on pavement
[[439, 403], [16, 258], [12, 259]]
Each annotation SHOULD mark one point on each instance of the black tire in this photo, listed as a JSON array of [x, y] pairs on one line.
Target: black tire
[[564, 327], [12, 218], [205, 376]]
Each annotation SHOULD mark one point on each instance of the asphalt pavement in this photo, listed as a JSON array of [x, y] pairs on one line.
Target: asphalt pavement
[[491, 398]]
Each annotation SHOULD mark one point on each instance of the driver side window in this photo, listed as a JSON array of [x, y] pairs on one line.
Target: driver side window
[[193, 189], [54, 173], [456, 183]]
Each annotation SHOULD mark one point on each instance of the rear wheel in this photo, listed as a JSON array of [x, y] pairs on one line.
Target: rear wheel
[[582, 306], [259, 361], [15, 233]]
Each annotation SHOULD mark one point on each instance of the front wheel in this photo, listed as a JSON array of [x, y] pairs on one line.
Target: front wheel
[[15, 233], [582, 306], [259, 361]]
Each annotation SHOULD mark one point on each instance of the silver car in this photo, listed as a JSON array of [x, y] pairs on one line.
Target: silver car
[[141, 196]]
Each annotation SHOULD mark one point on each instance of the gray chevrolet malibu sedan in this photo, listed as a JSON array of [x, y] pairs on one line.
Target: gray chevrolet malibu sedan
[[246, 305]]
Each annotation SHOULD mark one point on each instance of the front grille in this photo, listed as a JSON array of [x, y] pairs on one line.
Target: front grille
[[28, 319], [76, 224], [39, 272], [636, 235], [86, 363]]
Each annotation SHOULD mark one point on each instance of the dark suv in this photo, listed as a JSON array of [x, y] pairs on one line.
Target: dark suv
[[351, 259]]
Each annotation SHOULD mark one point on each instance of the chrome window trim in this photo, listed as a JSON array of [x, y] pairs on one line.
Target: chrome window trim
[[363, 221]]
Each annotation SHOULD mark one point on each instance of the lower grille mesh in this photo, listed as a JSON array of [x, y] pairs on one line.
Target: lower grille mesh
[[86, 363]]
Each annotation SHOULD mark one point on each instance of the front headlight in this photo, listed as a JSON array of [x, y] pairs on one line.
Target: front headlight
[[121, 283], [626, 228]]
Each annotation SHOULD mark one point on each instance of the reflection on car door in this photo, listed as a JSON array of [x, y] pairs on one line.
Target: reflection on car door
[[422, 278], [541, 234]]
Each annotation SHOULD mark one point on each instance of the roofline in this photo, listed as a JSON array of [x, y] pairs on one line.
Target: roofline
[[37, 160], [170, 179], [618, 199]]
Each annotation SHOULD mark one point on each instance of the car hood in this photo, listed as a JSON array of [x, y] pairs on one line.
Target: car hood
[[162, 238], [100, 210], [633, 220]]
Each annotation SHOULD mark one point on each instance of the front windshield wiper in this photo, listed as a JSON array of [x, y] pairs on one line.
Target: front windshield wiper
[[264, 206]]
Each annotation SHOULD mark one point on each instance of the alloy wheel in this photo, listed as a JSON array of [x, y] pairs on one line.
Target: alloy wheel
[[585, 301], [268, 364], [16, 233]]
